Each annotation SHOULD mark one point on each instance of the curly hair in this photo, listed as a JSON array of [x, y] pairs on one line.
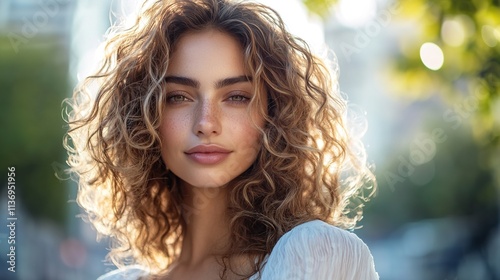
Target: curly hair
[[310, 166]]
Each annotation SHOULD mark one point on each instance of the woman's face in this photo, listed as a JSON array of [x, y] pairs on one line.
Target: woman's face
[[208, 136]]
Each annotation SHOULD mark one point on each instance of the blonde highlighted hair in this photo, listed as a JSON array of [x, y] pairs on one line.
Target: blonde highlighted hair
[[309, 166]]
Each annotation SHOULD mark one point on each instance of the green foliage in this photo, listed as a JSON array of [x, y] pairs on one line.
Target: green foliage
[[468, 32], [33, 84]]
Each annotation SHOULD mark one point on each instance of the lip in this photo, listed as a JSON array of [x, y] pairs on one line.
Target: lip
[[207, 154], [207, 149]]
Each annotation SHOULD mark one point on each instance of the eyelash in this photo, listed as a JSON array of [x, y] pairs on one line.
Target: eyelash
[[170, 99], [244, 99]]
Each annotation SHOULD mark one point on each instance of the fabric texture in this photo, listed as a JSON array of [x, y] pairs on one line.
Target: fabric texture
[[132, 272], [312, 250]]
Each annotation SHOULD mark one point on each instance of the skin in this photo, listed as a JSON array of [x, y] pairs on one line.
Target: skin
[[208, 103]]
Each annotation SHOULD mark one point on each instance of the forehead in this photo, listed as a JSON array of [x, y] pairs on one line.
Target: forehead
[[207, 51]]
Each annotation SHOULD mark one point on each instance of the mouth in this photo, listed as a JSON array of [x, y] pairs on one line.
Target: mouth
[[207, 149], [207, 154]]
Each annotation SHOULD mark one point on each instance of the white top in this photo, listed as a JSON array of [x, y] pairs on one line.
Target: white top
[[312, 250]]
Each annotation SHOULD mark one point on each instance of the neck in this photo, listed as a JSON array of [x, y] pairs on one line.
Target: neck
[[207, 229]]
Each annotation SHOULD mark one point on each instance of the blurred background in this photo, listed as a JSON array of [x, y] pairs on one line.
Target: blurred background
[[424, 74]]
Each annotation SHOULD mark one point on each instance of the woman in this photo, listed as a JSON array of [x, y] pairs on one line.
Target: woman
[[215, 148]]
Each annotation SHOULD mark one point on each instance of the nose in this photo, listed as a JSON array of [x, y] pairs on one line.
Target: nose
[[207, 120]]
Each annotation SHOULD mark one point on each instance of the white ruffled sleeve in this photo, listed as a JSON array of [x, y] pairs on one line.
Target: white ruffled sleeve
[[317, 250], [133, 272]]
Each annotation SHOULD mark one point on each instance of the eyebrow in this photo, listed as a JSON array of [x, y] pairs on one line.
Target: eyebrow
[[196, 84], [231, 81], [182, 81]]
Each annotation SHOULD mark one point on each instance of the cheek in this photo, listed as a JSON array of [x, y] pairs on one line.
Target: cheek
[[171, 130], [248, 138]]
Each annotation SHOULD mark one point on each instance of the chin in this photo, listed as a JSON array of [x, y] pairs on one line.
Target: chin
[[208, 183], [211, 180]]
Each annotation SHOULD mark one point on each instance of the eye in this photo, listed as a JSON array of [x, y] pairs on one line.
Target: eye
[[239, 98], [176, 98]]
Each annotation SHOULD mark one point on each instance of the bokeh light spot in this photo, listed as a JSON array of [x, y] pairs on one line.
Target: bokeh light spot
[[432, 56], [73, 253], [490, 35], [453, 33], [456, 30]]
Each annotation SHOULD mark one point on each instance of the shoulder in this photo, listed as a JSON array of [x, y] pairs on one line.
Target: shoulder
[[133, 272], [322, 239], [319, 232], [317, 250]]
